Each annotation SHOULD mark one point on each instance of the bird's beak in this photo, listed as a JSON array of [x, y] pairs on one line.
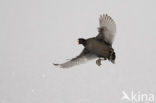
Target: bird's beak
[[78, 42]]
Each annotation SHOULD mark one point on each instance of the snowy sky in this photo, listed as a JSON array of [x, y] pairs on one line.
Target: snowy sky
[[36, 33]]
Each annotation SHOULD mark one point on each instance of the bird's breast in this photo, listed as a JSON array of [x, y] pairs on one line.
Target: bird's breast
[[98, 48]]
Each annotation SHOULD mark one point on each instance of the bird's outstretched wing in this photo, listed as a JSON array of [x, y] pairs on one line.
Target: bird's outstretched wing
[[107, 29], [84, 56]]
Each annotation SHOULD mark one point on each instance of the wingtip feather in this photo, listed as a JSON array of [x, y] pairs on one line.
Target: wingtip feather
[[56, 64]]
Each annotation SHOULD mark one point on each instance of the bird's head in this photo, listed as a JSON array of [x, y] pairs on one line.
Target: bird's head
[[82, 41]]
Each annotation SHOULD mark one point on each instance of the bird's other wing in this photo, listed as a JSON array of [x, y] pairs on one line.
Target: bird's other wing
[[84, 56], [107, 28]]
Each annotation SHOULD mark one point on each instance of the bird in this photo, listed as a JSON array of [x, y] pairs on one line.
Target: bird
[[98, 47]]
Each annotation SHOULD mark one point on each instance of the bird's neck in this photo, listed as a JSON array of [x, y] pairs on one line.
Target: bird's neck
[[84, 42]]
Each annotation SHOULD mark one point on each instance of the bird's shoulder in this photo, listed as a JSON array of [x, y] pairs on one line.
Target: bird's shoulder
[[97, 41]]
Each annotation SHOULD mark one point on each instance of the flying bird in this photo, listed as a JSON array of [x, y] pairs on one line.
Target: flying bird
[[99, 47]]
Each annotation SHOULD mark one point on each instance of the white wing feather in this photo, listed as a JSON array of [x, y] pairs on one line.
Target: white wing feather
[[77, 61], [109, 26]]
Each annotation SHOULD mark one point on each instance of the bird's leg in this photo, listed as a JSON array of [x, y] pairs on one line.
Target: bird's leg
[[98, 61]]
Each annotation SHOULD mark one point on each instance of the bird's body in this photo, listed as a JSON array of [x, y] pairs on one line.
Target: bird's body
[[96, 47]]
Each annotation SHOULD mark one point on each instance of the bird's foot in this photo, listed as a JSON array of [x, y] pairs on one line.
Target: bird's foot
[[98, 62]]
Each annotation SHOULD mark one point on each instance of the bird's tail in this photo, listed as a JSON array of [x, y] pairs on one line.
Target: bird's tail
[[112, 57]]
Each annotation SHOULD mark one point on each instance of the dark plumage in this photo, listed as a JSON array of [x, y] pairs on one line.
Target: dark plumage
[[82, 41], [97, 47]]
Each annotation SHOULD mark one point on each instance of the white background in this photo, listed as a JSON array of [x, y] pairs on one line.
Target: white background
[[36, 33]]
